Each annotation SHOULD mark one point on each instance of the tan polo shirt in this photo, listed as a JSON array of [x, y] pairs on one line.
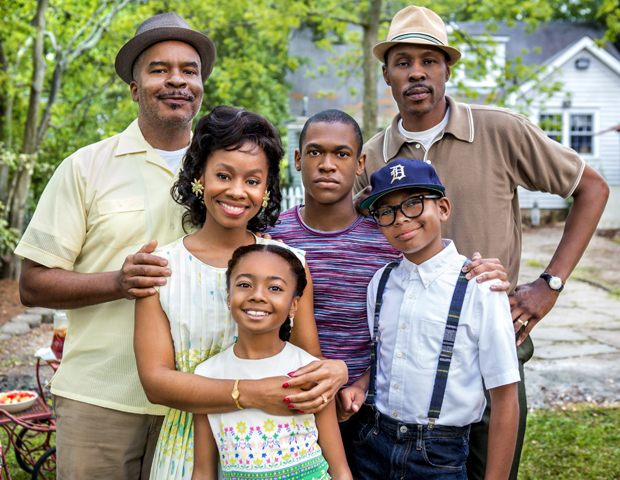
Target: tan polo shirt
[[103, 203], [481, 158]]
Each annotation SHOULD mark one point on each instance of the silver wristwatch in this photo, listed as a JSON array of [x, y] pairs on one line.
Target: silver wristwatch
[[555, 283]]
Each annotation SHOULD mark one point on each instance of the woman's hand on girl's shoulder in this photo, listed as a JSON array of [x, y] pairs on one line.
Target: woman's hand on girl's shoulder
[[321, 380], [270, 395]]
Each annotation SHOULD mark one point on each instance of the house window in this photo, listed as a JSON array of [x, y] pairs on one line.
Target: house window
[[552, 126], [573, 130], [581, 133]]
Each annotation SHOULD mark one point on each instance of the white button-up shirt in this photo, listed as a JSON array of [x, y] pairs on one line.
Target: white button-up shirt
[[413, 318]]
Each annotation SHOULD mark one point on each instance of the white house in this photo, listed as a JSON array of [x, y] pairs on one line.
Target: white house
[[577, 116]]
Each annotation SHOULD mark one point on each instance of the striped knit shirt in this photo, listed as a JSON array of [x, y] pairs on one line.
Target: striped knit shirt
[[341, 263]]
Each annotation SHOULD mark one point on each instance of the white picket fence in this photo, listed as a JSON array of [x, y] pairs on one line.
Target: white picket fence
[[291, 197]]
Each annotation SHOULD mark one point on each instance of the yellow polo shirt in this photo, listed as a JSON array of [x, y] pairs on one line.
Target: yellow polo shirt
[[103, 203]]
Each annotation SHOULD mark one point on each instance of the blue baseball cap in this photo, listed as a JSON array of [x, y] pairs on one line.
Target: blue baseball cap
[[400, 174]]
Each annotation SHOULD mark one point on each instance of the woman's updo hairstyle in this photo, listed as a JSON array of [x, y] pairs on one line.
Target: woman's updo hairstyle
[[297, 269], [229, 128]]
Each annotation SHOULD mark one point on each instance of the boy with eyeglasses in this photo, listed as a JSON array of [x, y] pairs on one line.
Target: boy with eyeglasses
[[435, 338]]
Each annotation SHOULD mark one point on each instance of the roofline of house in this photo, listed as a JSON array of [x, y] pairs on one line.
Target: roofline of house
[[564, 56]]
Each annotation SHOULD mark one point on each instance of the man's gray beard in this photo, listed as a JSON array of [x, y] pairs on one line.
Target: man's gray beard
[[174, 123], [151, 112]]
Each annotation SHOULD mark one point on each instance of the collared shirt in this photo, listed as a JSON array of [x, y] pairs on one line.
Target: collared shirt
[[484, 154], [412, 322], [425, 137], [103, 203]]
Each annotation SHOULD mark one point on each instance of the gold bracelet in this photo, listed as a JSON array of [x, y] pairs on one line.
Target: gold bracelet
[[235, 394]]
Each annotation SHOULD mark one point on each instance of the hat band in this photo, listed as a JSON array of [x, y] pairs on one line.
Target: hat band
[[419, 36]]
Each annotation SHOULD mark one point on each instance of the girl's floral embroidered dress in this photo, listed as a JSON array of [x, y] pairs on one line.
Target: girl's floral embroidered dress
[[255, 445]]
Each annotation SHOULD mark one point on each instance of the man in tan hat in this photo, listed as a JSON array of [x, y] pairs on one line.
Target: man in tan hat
[[102, 203], [482, 154]]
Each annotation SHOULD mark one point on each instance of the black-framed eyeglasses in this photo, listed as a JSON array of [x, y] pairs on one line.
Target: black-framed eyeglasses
[[412, 207]]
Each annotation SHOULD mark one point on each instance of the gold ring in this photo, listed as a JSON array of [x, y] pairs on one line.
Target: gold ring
[[324, 399], [521, 322]]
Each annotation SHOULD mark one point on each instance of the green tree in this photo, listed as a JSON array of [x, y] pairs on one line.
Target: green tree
[[331, 21], [77, 29]]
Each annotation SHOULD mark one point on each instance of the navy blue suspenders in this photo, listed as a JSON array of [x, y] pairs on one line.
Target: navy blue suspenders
[[445, 357], [372, 387]]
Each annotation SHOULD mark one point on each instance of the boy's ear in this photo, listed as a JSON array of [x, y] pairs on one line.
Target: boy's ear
[[361, 164], [294, 305], [444, 208], [297, 160]]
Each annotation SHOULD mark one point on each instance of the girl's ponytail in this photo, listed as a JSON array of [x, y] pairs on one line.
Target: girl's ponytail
[[285, 330]]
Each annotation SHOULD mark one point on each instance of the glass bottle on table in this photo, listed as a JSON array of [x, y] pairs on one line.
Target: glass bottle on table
[[60, 332]]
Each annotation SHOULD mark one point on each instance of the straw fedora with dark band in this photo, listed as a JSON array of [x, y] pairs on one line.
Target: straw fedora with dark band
[[420, 26], [161, 28]]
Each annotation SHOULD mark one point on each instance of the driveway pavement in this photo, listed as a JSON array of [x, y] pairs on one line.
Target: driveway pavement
[[577, 354]]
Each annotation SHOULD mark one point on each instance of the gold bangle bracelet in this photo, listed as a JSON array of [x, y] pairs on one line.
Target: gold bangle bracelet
[[235, 394]]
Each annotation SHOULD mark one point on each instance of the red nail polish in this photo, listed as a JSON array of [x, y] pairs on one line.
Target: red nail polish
[[291, 374], [285, 385], [287, 399], [291, 405], [301, 411]]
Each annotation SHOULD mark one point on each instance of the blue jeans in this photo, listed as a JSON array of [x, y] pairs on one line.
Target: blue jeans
[[379, 447]]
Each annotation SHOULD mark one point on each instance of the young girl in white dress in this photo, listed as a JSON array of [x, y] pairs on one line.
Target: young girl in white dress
[[264, 285], [229, 185]]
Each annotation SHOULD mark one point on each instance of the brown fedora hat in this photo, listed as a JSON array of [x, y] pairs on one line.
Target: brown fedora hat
[[420, 26], [161, 28]]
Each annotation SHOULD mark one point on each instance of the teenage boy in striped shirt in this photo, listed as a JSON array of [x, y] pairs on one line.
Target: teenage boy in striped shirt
[[343, 248]]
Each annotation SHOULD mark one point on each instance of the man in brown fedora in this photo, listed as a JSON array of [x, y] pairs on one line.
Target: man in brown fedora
[[102, 203], [481, 154]]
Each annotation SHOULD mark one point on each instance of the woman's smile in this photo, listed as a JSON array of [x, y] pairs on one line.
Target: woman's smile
[[231, 209]]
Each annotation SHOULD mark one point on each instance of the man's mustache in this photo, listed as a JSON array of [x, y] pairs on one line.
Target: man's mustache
[[188, 96], [418, 85]]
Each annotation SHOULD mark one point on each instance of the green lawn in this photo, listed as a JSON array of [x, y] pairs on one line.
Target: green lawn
[[577, 445], [560, 444]]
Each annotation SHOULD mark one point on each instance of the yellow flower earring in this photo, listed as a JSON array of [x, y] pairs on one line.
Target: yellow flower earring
[[197, 188], [266, 199]]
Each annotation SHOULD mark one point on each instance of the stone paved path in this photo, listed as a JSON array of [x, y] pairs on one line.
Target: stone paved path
[[577, 355]]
